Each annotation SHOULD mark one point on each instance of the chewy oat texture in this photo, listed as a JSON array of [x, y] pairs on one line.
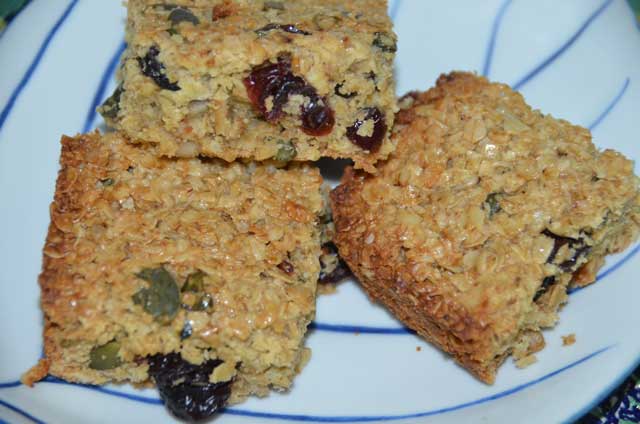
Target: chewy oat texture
[[471, 232], [178, 269], [288, 80]]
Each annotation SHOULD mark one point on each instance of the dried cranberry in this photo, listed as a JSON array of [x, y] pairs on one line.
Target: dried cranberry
[[276, 81], [151, 67], [369, 142], [185, 387], [286, 267], [282, 27]]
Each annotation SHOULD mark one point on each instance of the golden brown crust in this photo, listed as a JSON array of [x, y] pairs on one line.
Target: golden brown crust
[[119, 209], [472, 230]]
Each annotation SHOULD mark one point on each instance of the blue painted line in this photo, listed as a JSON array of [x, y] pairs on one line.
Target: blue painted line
[[342, 328], [34, 64], [611, 105], [20, 412], [136, 398], [394, 10], [488, 58], [354, 418], [608, 271], [555, 55], [10, 384], [98, 97]]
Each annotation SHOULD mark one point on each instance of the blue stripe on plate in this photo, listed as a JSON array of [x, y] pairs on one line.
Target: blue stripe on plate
[[611, 105], [34, 64], [555, 55], [488, 58], [346, 328], [20, 412], [102, 86], [10, 384], [347, 418]]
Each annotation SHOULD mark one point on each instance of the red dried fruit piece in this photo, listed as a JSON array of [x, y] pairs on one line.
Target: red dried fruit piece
[[286, 267], [369, 142], [276, 81]]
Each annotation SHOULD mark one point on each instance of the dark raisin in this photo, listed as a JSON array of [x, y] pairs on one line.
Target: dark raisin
[[286, 267], [332, 268], [578, 247], [570, 264], [558, 242], [182, 14], [546, 283], [338, 91], [111, 106], [187, 330], [151, 67], [385, 42], [492, 204], [276, 82], [185, 388], [373, 141], [282, 27]]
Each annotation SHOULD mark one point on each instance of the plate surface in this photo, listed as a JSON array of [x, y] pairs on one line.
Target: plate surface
[[577, 60]]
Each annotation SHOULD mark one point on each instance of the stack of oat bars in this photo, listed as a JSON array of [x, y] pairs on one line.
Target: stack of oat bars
[[184, 247]]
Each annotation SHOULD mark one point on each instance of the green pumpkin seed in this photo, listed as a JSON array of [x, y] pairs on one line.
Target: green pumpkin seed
[[278, 5], [106, 182], [286, 151], [182, 14], [492, 204], [111, 106], [194, 282], [162, 298], [105, 357], [385, 42]]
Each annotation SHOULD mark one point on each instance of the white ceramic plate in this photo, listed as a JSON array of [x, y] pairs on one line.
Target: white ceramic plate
[[578, 60]]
